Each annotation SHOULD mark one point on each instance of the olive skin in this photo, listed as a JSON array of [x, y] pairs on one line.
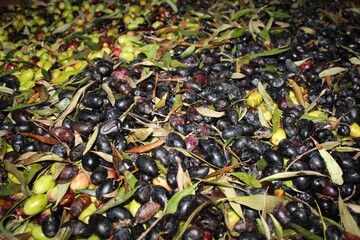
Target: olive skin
[[186, 206], [193, 233], [216, 156], [147, 165], [101, 226], [120, 214], [251, 236], [107, 186], [160, 195], [122, 234], [175, 140], [170, 225], [50, 225], [78, 229]]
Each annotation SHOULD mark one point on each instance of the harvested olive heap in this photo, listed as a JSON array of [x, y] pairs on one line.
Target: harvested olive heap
[[180, 120]]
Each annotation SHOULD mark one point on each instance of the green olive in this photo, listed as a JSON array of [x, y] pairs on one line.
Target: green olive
[[35, 204], [38, 234], [355, 130], [254, 100], [43, 184]]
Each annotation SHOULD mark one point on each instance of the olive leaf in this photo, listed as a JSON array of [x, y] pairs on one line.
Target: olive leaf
[[247, 178], [209, 112], [74, 101], [306, 233], [175, 199], [6, 90], [92, 139], [10, 189], [271, 52], [64, 233], [11, 168], [285, 175], [276, 119], [278, 228], [355, 60], [105, 156], [141, 134], [147, 147], [354, 207], [267, 98], [188, 51], [121, 197], [255, 202], [331, 71], [40, 138], [61, 191], [166, 58], [229, 192], [332, 166], [240, 13], [109, 93], [237, 75], [62, 28], [347, 219], [150, 50], [130, 178]]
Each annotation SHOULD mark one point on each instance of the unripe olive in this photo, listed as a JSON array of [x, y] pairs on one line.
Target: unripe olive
[[355, 130], [38, 234], [254, 100], [35, 204], [43, 184], [278, 136], [81, 181]]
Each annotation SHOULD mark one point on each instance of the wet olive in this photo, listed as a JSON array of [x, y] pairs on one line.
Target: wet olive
[[175, 140], [124, 103], [122, 234], [90, 161], [333, 232], [199, 171], [126, 165], [92, 100], [216, 156], [111, 128], [142, 194], [328, 208], [194, 232], [101, 226]]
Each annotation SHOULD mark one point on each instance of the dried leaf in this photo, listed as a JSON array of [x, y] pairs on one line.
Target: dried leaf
[[347, 219], [6, 90], [267, 98], [61, 191], [230, 193], [285, 175], [175, 199], [256, 202], [109, 93], [209, 113], [355, 60], [237, 75], [332, 71], [147, 147], [247, 178], [332, 166], [43, 139], [105, 156]]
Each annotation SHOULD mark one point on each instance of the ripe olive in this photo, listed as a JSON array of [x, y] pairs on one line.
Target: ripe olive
[[147, 165], [101, 226], [106, 187], [50, 225]]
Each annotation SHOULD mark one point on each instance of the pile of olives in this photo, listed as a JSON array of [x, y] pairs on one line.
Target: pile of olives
[[177, 119]]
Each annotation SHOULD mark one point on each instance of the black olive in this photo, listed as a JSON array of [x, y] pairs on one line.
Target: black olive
[[78, 229], [59, 149], [90, 161], [50, 225], [147, 165], [103, 144], [76, 152], [186, 206], [199, 171], [101, 226], [68, 173], [124, 103], [93, 100], [90, 116], [106, 187], [216, 156], [251, 236], [111, 128], [122, 234], [169, 225], [160, 195], [282, 215], [98, 175], [142, 194], [194, 232], [120, 214], [328, 208], [334, 233], [175, 140]]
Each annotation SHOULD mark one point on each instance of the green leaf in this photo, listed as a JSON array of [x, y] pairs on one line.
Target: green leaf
[[278, 228], [332, 166], [276, 119], [264, 34], [130, 178], [166, 59], [247, 178], [61, 191], [174, 201], [11, 168], [271, 52], [230, 193], [150, 50], [306, 233], [267, 98], [285, 175], [20, 106], [120, 198], [9, 189], [238, 32], [240, 13], [172, 5], [62, 28], [347, 219], [188, 51], [92, 45], [256, 202], [278, 14]]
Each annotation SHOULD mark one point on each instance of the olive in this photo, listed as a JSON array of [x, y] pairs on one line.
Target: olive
[[68, 173], [137, 230], [62, 133], [125, 165], [272, 157], [171, 177], [186, 206], [84, 128], [317, 184], [122, 234], [194, 232], [98, 175], [92, 100], [146, 211], [124, 103], [101, 226], [147, 165], [299, 212], [282, 215], [199, 171], [103, 144], [175, 140], [20, 116], [287, 148], [169, 225], [79, 204], [50, 225], [78, 229], [76, 152], [351, 175], [111, 128], [59, 150], [90, 161], [328, 208], [90, 116], [160, 195], [120, 214], [107, 186], [216, 156], [333, 232], [142, 194]]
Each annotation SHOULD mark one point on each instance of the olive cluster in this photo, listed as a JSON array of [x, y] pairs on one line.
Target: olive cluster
[[144, 130]]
